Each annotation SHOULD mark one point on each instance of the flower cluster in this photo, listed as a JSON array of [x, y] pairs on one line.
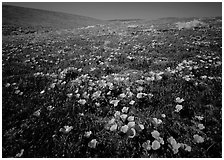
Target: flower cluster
[[125, 123]]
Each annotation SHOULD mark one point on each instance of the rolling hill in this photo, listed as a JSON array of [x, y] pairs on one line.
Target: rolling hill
[[35, 19]]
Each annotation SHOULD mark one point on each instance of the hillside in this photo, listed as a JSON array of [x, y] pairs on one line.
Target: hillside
[[35, 19]]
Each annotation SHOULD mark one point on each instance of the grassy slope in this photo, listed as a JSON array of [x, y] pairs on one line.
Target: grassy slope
[[19, 16]]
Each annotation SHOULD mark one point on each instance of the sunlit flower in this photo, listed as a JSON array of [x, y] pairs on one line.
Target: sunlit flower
[[131, 118], [92, 143], [125, 109], [130, 94], [174, 145], [131, 102], [160, 140], [112, 121], [158, 77], [96, 94], [198, 139], [140, 95], [200, 118], [37, 113], [20, 154], [124, 129], [82, 101], [17, 91], [146, 145], [113, 127], [150, 78], [87, 134], [179, 100], [141, 126], [85, 95], [66, 129], [122, 95], [117, 114], [140, 88], [185, 147], [7, 85], [77, 95], [178, 108], [150, 95], [163, 115], [155, 145], [42, 92], [155, 134], [172, 141], [114, 102], [50, 108], [69, 95], [157, 121], [188, 148], [131, 133], [123, 117], [201, 126], [131, 124]]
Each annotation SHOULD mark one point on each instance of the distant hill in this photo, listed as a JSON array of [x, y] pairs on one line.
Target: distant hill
[[13, 16]]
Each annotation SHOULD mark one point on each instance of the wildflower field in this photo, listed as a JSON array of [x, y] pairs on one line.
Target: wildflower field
[[123, 89]]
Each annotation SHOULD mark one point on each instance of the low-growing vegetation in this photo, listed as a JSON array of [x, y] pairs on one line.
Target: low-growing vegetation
[[113, 91]]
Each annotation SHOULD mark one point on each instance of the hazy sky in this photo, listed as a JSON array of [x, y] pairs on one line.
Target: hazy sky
[[127, 10]]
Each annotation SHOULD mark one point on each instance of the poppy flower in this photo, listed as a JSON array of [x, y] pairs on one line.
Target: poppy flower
[[131, 102], [96, 94], [146, 145], [201, 126], [124, 129], [140, 88], [114, 102], [125, 109], [140, 95], [178, 108], [7, 85], [69, 95], [87, 134], [66, 129], [42, 92], [113, 127], [200, 118], [37, 113], [155, 134], [131, 133], [17, 91], [160, 140], [141, 126], [198, 139], [123, 117], [131, 118], [50, 108], [188, 148], [117, 114], [131, 124], [163, 115], [179, 100], [155, 145], [92, 143], [122, 95], [82, 101], [112, 121], [20, 154], [157, 121]]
